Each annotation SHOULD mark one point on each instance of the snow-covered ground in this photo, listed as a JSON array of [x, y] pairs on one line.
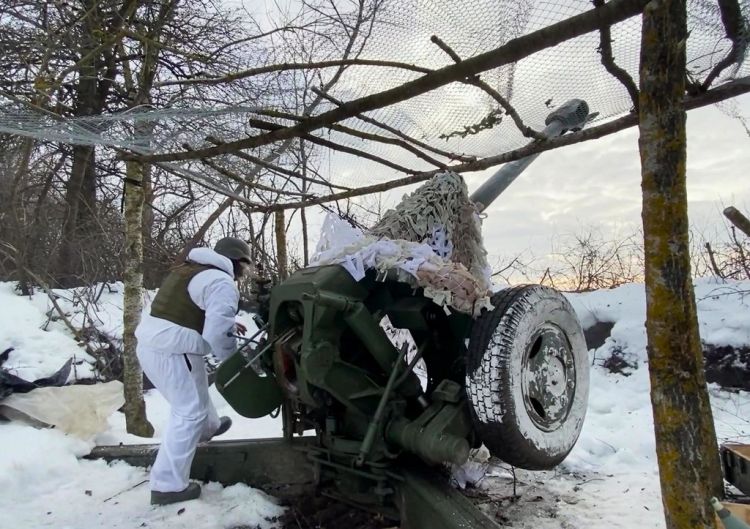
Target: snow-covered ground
[[609, 480]]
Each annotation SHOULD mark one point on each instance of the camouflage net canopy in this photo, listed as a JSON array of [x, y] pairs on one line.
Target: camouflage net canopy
[[457, 122], [432, 240]]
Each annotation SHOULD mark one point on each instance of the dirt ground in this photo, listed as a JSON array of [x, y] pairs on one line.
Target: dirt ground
[[319, 512], [517, 499], [520, 499]]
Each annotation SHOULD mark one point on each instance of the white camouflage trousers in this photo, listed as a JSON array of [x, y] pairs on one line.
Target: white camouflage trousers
[[182, 379]]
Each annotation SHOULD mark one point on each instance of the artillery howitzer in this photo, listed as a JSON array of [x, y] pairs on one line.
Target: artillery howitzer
[[513, 376]]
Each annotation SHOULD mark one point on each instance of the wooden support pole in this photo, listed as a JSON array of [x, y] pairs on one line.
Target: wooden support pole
[[740, 221]]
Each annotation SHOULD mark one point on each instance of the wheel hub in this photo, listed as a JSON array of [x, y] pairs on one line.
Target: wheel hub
[[548, 377]]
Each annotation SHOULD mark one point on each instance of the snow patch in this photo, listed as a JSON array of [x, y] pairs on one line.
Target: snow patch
[[610, 479]]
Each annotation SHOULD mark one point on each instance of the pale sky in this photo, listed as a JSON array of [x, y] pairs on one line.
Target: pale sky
[[597, 184]]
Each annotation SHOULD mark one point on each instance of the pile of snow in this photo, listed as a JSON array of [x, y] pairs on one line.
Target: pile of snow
[[43, 478], [45, 483], [40, 341], [609, 480]]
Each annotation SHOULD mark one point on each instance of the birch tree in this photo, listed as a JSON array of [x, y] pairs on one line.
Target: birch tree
[[138, 85]]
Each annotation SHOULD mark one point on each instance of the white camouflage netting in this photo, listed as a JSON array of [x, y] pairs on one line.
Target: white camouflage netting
[[431, 240], [457, 121]]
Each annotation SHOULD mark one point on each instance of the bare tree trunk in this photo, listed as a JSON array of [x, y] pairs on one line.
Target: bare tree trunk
[[685, 437], [280, 228], [137, 180], [80, 190], [135, 408], [302, 214], [17, 217], [96, 69], [198, 235], [305, 241], [80, 204], [151, 275]]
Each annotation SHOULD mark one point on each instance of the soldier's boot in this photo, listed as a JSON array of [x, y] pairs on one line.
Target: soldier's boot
[[224, 424], [191, 492]]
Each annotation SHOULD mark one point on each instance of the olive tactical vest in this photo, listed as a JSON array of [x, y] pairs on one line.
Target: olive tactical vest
[[173, 302]]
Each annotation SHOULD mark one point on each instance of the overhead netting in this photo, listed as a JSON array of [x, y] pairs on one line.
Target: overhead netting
[[456, 122]]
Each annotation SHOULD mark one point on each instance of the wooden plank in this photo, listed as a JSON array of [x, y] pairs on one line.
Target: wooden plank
[[741, 450]]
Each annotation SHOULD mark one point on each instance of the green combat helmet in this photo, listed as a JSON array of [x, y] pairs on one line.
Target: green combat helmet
[[729, 520], [234, 248]]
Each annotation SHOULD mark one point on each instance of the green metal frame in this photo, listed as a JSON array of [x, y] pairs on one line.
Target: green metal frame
[[277, 466], [343, 378]]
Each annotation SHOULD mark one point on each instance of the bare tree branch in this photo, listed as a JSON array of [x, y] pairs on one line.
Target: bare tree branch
[[513, 51], [265, 125], [734, 23], [273, 167], [378, 138], [712, 260], [191, 176], [116, 33], [288, 66], [252, 185], [390, 141], [738, 219], [497, 96], [608, 60], [740, 251], [725, 91], [357, 152], [405, 137]]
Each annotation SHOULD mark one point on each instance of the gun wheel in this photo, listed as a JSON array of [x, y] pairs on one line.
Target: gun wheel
[[528, 377]]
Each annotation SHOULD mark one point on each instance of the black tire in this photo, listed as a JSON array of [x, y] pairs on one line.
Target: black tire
[[528, 377]]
